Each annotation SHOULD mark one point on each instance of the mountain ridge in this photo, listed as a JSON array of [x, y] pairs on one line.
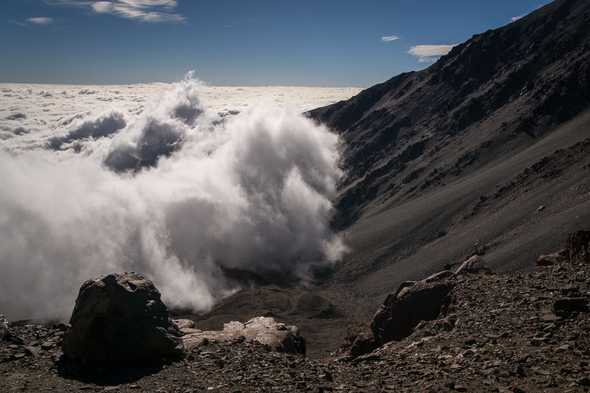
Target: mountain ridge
[[412, 142]]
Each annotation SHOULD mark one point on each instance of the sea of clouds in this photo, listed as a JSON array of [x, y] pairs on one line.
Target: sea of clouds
[[181, 182]]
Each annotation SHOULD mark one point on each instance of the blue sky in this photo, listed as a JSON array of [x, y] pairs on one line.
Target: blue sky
[[236, 42]]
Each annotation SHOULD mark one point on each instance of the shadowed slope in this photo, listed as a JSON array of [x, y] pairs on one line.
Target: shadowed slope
[[489, 146]]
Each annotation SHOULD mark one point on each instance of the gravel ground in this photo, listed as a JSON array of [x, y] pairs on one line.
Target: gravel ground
[[520, 332]]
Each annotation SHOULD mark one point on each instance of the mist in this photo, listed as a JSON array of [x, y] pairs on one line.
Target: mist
[[177, 192]]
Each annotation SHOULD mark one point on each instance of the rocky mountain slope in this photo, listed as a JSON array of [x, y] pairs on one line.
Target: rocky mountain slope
[[486, 151], [488, 147], [507, 332]]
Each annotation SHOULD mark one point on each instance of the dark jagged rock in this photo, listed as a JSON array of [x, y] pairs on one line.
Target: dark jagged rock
[[363, 343], [400, 313], [579, 245], [120, 319]]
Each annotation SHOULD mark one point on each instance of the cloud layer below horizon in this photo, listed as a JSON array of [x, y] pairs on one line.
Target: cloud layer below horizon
[[247, 190]]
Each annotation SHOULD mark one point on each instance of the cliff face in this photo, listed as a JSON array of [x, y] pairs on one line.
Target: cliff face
[[486, 147]]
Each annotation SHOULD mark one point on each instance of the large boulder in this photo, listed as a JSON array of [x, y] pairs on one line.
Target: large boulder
[[264, 330], [412, 303], [120, 320]]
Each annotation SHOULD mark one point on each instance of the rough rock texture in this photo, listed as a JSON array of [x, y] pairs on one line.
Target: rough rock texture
[[474, 264], [401, 312], [3, 327], [363, 343], [579, 245], [500, 334], [553, 258], [487, 145], [119, 319], [264, 330]]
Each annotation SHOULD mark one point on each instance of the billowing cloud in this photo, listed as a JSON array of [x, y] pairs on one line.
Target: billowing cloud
[[40, 20], [389, 38], [171, 192], [153, 11], [429, 53]]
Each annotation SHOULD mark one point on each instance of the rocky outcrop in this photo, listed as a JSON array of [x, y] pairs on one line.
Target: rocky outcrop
[[401, 312], [363, 343], [413, 303], [120, 319], [264, 330]]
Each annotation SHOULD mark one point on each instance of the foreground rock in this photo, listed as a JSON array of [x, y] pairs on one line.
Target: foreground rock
[[501, 333], [120, 319], [263, 330], [414, 302]]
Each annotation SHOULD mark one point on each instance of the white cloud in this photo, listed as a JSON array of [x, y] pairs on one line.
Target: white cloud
[[515, 18], [429, 53], [153, 11], [102, 7], [389, 38], [248, 192], [40, 20]]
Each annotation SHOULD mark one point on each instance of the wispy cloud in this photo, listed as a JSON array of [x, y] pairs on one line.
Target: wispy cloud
[[389, 38], [430, 53], [154, 11], [515, 18], [40, 20]]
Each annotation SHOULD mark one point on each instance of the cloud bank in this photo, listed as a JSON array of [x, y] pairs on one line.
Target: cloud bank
[[251, 193], [430, 53]]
